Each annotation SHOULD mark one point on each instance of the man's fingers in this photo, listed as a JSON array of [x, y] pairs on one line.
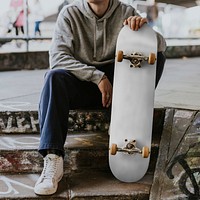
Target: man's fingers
[[106, 90], [131, 22], [143, 21], [109, 102], [106, 99], [135, 22], [125, 22]]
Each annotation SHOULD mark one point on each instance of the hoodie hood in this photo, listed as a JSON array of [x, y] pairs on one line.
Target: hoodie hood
[[84, 7]]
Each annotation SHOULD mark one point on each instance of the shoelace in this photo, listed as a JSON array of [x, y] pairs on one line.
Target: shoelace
[[50, 168]]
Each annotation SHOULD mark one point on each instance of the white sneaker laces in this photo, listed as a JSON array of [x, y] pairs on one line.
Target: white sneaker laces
[[50, 168]]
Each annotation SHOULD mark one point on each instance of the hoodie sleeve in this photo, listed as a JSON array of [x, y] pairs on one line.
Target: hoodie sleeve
[[161, 41], [62, 51]]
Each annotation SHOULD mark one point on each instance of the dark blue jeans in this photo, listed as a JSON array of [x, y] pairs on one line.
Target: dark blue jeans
[[62, 91]]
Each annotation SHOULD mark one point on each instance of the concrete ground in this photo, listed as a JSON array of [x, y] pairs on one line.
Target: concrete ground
[[178, 87]]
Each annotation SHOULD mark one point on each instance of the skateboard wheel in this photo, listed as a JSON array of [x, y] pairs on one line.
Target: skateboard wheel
[[119, 56], [145, 152], [113, 149], [152, 58]]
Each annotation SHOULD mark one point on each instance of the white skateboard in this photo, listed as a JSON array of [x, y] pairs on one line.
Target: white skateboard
[[133, 103]]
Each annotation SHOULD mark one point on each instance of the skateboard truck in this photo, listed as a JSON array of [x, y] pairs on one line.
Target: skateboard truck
[[136, 58], [130, 148]]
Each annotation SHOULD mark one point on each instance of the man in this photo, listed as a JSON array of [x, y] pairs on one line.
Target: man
[[82, 61]]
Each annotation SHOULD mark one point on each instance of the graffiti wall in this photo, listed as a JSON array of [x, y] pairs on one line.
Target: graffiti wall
[[177, 174]]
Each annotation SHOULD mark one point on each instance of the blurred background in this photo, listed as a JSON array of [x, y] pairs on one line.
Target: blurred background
[[26, 23]]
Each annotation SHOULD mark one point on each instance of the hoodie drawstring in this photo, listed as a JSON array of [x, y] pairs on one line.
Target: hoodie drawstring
[[95, 37], [104, 36]]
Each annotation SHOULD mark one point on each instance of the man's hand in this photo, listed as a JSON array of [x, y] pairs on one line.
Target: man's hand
[[106, 90], [135, 22]]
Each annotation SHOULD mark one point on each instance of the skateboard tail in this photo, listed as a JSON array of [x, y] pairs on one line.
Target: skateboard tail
[[121, 171]]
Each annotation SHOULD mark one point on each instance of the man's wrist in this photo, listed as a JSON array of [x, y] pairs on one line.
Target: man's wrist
[[104, 77]]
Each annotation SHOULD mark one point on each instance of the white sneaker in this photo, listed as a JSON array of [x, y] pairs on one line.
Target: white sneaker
[[52, 173]]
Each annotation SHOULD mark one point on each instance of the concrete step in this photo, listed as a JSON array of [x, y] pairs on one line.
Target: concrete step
[[86, 145], [26, 122], [18, 153], [86, 185]]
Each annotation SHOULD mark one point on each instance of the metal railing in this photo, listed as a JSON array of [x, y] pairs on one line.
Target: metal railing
[[25, 37]]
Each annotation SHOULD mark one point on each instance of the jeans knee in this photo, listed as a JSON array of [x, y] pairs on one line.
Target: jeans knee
[[55, 75]]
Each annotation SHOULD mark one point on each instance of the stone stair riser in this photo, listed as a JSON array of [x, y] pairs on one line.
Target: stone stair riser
[[26, 122], [75, 160]]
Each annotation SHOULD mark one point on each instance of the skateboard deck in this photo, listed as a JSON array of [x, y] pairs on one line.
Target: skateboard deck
[[133, 103]]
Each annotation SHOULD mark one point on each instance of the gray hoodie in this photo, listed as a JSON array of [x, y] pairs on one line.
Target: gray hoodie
[[82, 41]]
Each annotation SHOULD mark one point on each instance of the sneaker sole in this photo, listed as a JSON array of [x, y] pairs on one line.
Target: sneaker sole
[[52, 192]]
